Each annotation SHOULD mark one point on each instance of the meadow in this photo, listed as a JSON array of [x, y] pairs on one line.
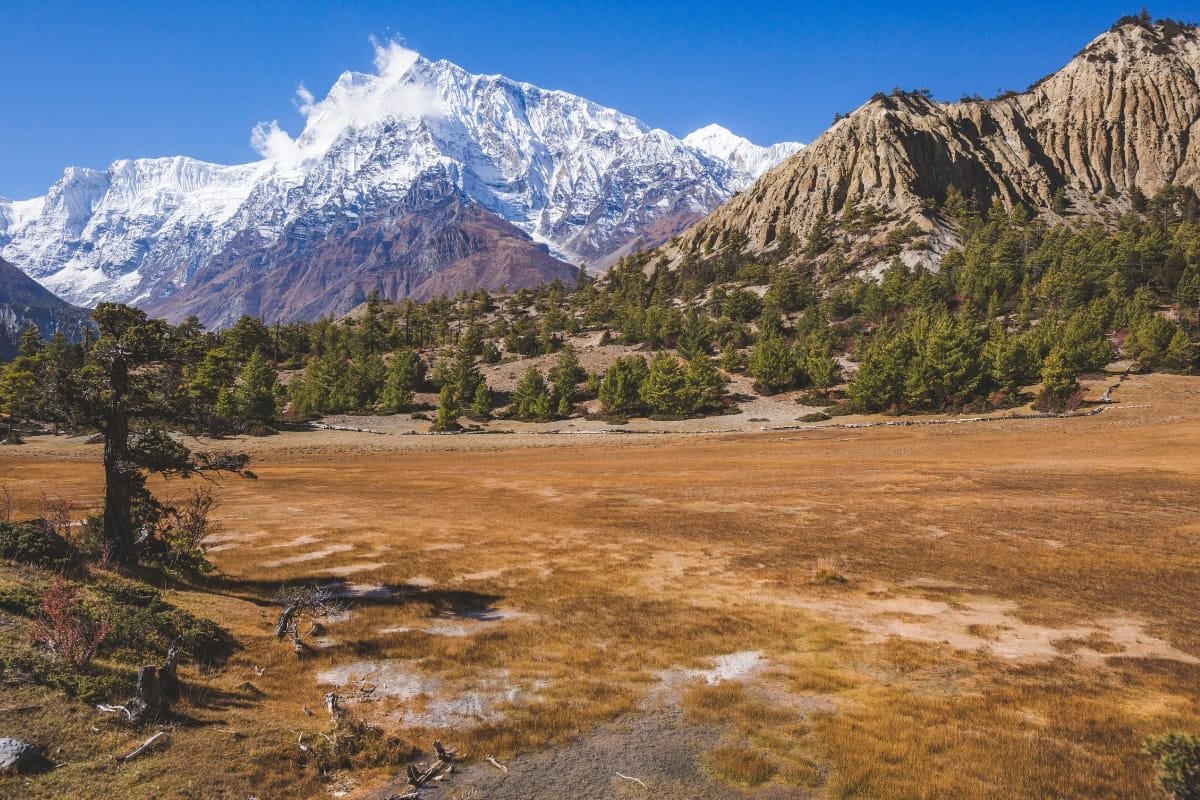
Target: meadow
[[961, 610]]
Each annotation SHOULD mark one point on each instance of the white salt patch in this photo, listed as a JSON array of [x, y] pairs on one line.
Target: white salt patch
[[725, 668], [486, 575], [299, 541], [366, 591], [733, 665], [400, 681], [421, 581], [389, 678], [313, 556]]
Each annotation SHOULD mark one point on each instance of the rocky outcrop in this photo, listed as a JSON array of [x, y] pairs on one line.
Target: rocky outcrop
[[1124, 113], [19, 757]]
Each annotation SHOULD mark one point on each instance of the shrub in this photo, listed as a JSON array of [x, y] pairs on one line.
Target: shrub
[[65, 628], [183, 530], [1177, 764], [19, 600], [54, 513], [34, 543], [144, 626], [816, 416], [828, 571], [350, 744]]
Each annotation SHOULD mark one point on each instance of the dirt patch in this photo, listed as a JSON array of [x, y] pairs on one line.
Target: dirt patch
[[659, 748]]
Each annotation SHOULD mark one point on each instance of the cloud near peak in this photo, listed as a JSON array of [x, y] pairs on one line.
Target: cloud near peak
[[356, 100]]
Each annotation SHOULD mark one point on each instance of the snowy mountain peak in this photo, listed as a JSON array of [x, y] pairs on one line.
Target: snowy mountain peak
[[417, 140], [739, 152]]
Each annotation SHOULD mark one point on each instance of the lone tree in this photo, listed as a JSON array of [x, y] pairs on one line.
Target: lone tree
[[128, 389]]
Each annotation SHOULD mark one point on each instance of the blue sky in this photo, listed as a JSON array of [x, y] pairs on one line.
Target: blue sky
[[87, 83]]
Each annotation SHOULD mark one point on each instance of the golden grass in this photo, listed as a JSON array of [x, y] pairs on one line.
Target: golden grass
[[627, 558]]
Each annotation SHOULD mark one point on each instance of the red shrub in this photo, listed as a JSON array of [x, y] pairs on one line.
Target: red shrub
[[65, 628]]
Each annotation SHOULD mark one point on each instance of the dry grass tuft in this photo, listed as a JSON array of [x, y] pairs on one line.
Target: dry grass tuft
[[740, 765]]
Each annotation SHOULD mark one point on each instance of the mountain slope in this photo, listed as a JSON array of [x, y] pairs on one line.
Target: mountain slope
[[23, 302], [1124, 113], [585, 181]]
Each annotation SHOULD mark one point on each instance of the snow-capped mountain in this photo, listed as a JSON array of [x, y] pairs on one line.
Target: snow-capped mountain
[[746, 158], [390, 183]]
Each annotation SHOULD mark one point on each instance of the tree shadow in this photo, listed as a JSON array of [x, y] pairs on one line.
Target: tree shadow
[[446, 602]]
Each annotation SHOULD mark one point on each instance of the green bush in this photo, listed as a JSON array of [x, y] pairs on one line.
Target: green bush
[[144, 626], [19, 600], [1176, 764], [31, 543], [89, 684]]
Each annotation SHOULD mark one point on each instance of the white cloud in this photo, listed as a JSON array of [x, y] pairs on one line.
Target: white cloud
[[356, 100]]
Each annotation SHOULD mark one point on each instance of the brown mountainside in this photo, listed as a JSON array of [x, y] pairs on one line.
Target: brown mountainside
[[1124, 113], [444, 245]]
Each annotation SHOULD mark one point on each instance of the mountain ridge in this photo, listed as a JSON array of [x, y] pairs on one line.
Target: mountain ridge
[[582, 181], [1124, 113]]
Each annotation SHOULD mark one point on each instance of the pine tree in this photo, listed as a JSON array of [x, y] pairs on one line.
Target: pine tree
[[531, 397], [665, 390], [363, 380], [481, 403], [773, 365], [705, 384], [879, 382], [18, 390], [449, 409], [565, 374], [1059, 381], [564, 407], [372, 331], [819, 363], [126, 391], [1181, 354], [255, 391], [405, 373], [214, 372], [1002, 360], [620, 385], [30, 342], [732, 359]]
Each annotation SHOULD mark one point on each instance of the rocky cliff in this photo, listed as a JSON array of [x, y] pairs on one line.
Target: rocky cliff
[[1124, 113]]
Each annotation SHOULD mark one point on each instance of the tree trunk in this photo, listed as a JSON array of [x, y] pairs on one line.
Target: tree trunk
[[118, 482]]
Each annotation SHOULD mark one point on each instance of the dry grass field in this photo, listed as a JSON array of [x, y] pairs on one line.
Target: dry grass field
[[1001, 609]]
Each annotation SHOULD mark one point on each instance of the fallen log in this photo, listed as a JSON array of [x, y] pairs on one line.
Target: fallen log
[[145, 746], [419, 777], [634, 780]]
